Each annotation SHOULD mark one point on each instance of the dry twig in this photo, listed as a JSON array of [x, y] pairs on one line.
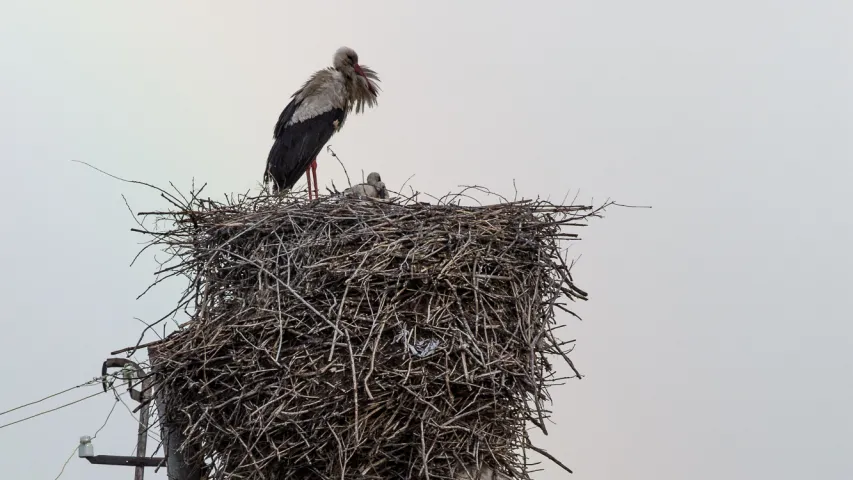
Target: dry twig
[[350, 338]]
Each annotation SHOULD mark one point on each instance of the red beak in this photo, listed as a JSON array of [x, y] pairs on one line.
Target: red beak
[[359, 71]]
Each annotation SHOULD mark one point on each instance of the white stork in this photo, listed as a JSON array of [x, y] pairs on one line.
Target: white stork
[[315, 112], [374, 187]]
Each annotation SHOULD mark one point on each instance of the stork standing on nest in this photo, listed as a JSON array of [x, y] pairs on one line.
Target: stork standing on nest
[[374, 187], [315, 112]]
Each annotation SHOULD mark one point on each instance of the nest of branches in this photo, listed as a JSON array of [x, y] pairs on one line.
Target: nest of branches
[[354, 338]]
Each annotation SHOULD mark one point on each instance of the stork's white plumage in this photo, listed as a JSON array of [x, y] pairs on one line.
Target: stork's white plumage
[[374, 187], [316, 111]]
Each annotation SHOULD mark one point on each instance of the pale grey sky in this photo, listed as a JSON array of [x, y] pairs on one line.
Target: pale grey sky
[[714, 342]]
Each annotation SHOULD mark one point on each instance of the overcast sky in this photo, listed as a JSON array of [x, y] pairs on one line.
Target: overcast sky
[[714, 343]]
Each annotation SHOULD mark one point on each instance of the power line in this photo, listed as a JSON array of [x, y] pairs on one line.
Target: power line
[[93, 437], [89, 383], [150, 426], [51, 410]]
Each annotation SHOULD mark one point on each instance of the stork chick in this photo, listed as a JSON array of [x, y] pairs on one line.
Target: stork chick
[[374, 187], [315, 112]]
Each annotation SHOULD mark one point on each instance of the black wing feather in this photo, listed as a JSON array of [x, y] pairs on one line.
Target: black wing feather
[[286, 115], [296, 145]]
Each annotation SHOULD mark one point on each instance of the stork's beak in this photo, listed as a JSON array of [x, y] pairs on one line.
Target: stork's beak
[[359, 71]]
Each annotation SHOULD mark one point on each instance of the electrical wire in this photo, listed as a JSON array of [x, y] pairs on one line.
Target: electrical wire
[[51, 410], [151, 424], [91, 382], [94, 381], [93, 437]]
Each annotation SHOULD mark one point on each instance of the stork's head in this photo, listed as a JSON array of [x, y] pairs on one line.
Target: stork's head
[[364, 79], [376, 181]]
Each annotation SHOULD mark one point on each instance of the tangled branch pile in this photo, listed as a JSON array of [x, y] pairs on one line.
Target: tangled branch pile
[[353, 338]]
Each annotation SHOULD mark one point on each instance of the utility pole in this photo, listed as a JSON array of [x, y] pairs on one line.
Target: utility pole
[[144, 397], [142, 429], [176, 466]]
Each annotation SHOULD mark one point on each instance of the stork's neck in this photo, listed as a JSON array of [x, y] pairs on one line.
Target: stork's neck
[[349, 77], [357, 92], [349, 80]]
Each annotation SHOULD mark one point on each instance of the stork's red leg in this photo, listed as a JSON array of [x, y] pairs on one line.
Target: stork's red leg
[[314, 171], [308, 180]]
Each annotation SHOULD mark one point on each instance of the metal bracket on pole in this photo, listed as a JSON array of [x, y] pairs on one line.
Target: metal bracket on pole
[[143, 396]]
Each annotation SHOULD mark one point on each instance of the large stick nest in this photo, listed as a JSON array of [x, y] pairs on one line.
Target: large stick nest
[[353, 338]]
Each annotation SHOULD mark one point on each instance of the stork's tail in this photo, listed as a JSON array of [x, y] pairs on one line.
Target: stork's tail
[[270, 182], [268, 178]]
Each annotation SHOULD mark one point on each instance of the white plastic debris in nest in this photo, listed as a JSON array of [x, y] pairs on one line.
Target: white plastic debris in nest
[[421, 348]]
